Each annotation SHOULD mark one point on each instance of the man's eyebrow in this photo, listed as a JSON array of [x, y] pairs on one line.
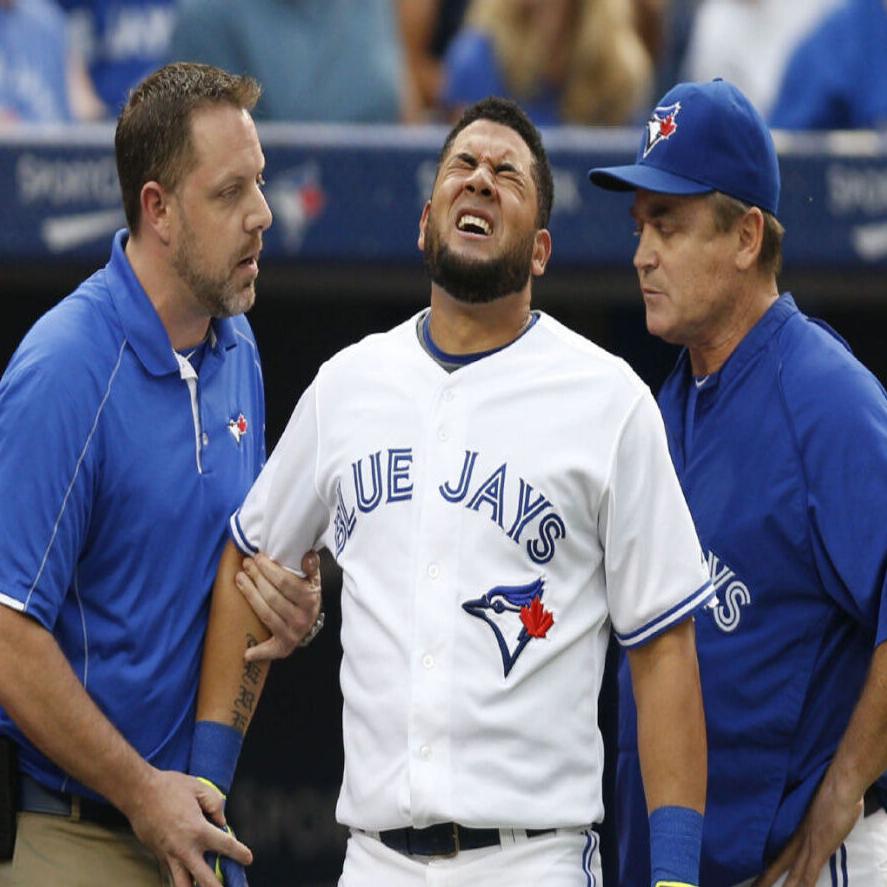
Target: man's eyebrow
[[655, 211], [227, 178]]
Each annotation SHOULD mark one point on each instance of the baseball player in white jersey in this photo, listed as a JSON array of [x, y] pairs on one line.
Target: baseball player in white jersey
[[498, 493]]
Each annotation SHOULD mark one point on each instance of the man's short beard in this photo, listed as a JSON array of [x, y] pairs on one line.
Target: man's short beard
[[477, 281], [218, 294]]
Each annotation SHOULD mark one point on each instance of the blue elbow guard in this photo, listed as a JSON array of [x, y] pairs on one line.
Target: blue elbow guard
[[675, 844]]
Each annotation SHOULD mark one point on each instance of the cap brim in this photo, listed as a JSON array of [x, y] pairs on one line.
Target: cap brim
[[628, 178]]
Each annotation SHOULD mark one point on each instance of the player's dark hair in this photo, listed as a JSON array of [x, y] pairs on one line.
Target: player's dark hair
[[510, 114], [153, 138], [728, 210]]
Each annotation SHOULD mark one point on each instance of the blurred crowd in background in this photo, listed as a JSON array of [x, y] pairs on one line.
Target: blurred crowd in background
[[807, 64]]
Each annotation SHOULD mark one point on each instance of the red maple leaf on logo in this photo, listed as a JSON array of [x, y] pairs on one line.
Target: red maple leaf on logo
[[313, 200], [241, 424], [667, 126], [536, 619]]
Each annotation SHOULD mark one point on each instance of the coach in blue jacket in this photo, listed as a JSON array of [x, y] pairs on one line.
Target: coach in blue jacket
[[779, 437]]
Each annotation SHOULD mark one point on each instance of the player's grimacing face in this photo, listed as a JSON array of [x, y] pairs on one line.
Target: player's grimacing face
[[683, 263], [478, 233], [221, 212]]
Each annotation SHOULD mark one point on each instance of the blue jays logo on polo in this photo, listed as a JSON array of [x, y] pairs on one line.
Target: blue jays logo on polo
[[238, 427], [516, 616], [661, 125]]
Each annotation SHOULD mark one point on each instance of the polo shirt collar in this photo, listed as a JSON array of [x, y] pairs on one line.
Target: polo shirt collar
[[144, 330]]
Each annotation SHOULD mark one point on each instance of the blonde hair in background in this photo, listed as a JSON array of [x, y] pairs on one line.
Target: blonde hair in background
[[588, 49]]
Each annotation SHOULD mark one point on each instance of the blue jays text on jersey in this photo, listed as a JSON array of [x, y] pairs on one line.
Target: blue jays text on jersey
[[512, 508], [492, 495], [732, 595]]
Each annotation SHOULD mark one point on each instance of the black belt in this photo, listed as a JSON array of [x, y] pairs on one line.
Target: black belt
[[446, 838], [36, 798], [871, 801]]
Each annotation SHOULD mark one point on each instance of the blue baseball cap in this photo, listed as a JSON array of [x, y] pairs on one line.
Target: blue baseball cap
[[702, 137]]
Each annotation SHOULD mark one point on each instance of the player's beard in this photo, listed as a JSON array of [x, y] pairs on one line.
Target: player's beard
[[478, 280], [218, 292]]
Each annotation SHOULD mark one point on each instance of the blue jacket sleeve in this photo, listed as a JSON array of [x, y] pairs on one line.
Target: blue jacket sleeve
[[840, 424]]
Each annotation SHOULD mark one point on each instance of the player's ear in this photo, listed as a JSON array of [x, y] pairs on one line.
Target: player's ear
[[541, 252], [750, 237], [423, 221], [154, 202]]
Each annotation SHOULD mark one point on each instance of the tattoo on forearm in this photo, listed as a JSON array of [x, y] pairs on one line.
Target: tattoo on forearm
[[252, 672], [245, 702]]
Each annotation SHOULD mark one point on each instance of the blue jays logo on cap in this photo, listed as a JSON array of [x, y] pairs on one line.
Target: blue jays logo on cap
[[516, 616], [661, 125], [702, 137]]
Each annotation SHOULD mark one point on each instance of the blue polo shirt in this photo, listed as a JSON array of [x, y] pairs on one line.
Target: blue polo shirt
[[782, 456], [118, 477]]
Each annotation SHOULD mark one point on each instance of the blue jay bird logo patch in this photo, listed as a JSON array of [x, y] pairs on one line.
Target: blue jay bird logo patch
[[516, 616], [661, 125], [238, 427]]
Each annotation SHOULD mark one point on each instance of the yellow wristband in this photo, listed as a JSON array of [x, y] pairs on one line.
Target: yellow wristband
[[212, 785]]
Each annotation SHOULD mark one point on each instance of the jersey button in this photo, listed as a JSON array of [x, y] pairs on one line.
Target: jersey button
[[428, 661], [433, 571], [443, 434], [425, 752], [449, 394], [205, 438]]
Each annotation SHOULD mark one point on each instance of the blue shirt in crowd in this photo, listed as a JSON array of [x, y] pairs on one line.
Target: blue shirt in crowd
[[33, 63], [317, 60], [472, 72], [122, 41], [837, 77]]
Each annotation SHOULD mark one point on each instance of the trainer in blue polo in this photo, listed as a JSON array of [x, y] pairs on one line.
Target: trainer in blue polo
[[84, 550], [702, 137]]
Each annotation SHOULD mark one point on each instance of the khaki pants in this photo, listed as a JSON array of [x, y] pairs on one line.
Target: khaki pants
[[55, 851]]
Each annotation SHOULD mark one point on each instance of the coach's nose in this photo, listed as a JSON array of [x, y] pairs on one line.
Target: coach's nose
[[646, 255]]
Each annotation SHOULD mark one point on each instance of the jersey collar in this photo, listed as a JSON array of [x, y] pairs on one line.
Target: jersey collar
[[144, 330], [757, 338], [754, 341]]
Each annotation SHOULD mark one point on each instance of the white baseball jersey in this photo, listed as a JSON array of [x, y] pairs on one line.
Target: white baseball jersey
[[490, 525]]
